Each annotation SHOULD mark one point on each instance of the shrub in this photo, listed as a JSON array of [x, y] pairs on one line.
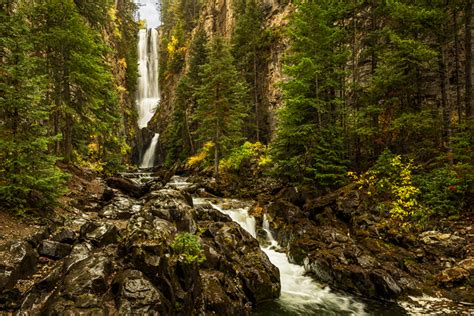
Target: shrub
[[187, 248], [201, 158], [252, 155], [392, 179], [443, 190]]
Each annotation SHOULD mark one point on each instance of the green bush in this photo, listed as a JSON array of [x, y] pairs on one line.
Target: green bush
[[187, 248], [443, 190], [251, 155], [391, 180]]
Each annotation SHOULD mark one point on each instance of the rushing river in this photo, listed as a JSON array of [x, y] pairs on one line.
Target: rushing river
[[301, 295]]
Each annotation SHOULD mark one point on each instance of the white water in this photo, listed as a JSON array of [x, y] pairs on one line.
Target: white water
[[148, 95], [300, 294], [149, 158]]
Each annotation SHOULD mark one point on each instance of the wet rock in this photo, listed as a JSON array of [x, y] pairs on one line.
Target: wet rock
[[284, 211], [208, 213], [81, 291], [147, 241], [39, 236], [467, 264], [100, 234], [217, 300], [127, 186], [79, 253], [120, 207], [259, 278], [17, 261], [66, 236], [347, 204], [134, 294], [385, 285], [172, 206], [461, 273], [441, 244], [54, 250], [88, 276], [293, 195], [38, 297], [202, 193]]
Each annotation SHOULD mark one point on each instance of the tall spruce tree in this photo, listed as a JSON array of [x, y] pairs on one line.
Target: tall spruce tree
[[28, 176], [308, 147], [221, 101], [248, 44], [80, 82]]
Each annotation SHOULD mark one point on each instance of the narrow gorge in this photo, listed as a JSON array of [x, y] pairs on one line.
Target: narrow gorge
[[236, 157]]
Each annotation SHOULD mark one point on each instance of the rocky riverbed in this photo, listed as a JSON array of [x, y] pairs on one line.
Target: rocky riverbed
[[110, 252], [112, 255]]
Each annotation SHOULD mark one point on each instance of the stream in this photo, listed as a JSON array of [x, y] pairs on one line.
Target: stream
[[300, 293]]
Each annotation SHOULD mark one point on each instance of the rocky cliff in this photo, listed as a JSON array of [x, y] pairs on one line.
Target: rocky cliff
[[218, 18]]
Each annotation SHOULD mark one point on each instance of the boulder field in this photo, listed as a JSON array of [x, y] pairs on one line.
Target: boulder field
[[114, 256]]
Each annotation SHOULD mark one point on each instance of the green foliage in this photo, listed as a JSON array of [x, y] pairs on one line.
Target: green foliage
[[59, 94], [83, 92], [253, 157], [203, 157], [179, 142], [391, 180], [221, 101], [309, 146], [251, 50], [28, 175], [443, 190], [187, 248]]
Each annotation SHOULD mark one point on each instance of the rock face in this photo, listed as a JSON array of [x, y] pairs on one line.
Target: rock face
[[17, 261], [344, 245], [122, 265]]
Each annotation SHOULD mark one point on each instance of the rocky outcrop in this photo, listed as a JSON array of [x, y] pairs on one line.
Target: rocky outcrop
[[342, 243], [120, 261], [17, 261]]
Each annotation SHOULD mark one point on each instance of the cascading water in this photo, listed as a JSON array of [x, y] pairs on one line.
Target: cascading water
[[148, 95], [300, 294], [149, 157]]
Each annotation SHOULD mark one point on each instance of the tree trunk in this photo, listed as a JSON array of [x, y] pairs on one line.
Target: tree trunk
[[445, 104], [468, 64], [255, 93], [69, 120], [216, 155], [188, 131], [456, 67]]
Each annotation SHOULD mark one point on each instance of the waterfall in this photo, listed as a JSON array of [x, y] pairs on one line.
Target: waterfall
[[149, 158], [300, 294], [148, 95]]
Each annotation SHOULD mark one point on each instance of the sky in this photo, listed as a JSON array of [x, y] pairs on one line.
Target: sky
[[149, 12]]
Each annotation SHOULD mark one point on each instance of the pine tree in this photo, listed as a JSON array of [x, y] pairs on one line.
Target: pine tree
[[28, 176], [311, 102], [221, 101], [248, 44], [180, 143], [81, 84]]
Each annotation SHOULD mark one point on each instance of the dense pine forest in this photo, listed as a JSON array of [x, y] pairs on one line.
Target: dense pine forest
[[69, 73], [384, 86], [266, 157]]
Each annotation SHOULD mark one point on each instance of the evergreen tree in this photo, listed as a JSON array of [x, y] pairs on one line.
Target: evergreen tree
[[309, 116], [178, 137], [28, 176], [248, 49], [81, 84], [221, 102]]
